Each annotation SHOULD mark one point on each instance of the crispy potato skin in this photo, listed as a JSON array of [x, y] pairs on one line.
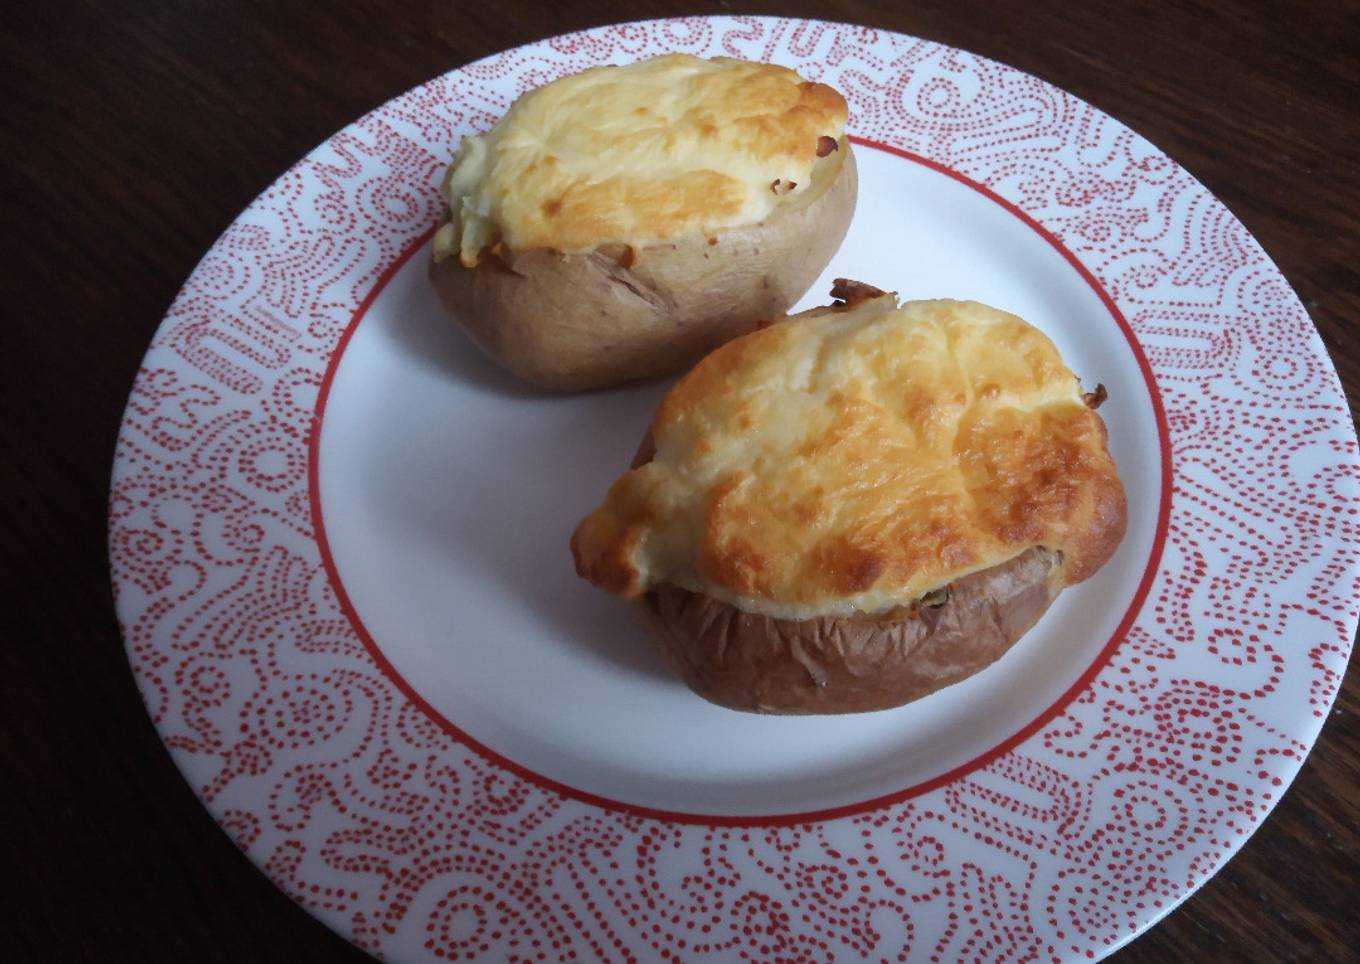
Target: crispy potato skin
[[762, 664], [580, 321]]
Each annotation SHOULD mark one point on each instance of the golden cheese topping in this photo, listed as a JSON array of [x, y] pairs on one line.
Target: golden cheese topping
[[851, 460], [663, 148]]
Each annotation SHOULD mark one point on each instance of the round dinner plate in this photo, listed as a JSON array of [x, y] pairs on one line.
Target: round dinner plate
[[339, 546]]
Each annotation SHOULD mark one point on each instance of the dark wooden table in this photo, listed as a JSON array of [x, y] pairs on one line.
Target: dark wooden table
[[133, 135]]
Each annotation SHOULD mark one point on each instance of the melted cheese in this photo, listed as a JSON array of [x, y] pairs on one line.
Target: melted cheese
[[669, 147], [851, 460]]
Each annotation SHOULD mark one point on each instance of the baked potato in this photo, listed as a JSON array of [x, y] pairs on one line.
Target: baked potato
[[620, 223], [850, 509]]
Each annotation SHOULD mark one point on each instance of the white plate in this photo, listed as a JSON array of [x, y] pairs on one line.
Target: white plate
[[339, 548]]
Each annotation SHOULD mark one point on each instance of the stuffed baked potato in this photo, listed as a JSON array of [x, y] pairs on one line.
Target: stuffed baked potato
[[622, 222], [854, 507]]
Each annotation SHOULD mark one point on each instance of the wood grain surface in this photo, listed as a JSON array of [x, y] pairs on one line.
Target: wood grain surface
[[134, 133]]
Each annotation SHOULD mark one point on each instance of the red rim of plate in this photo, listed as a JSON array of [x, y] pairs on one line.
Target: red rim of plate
[[874, 803]]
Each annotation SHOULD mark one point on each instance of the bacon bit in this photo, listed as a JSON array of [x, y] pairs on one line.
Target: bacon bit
[[1094, 399], [850, 293], [826, 145], [787, 186], [712, 241], [629, 256]]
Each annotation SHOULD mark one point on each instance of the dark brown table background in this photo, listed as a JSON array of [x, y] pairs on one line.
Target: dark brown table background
[[133, 135]]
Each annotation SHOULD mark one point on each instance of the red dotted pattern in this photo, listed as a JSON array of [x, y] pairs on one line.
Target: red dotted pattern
[[375, 819]]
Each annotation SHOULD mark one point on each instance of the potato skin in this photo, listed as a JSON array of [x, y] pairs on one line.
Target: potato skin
[[761, 664], [570, 322]]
